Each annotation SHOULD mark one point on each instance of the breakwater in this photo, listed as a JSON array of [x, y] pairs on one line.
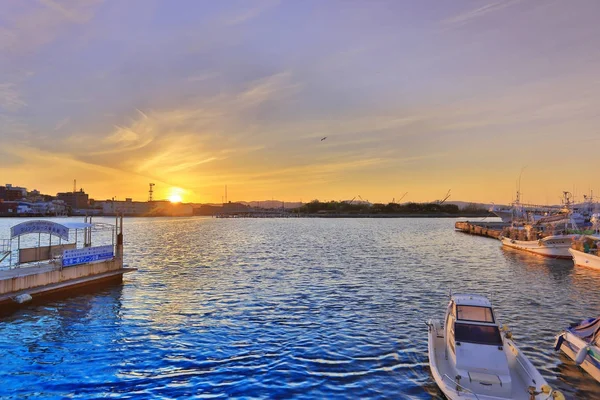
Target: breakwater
[[480, 228]]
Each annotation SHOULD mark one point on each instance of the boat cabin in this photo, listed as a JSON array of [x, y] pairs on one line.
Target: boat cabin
[[474, 343]]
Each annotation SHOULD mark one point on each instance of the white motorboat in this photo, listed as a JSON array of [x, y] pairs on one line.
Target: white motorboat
[[555, 246], [585, 251], [581, 343], [471, 358]]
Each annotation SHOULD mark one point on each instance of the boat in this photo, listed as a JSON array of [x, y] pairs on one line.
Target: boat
[[581, 343], [471, 357], [551, 236], [63, 258], [553, 246], [585, 251]]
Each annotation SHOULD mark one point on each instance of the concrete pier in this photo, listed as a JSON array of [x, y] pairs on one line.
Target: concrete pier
[[481, 228]]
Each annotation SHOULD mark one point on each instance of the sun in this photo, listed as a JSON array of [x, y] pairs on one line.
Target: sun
[[175, 198]]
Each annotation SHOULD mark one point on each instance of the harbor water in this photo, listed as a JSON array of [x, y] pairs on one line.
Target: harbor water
[[286, 308]]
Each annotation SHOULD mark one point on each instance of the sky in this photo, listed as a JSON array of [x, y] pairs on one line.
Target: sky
[[415, 98]]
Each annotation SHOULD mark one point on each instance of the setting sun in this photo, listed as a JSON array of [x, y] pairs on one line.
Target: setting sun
[[175, 198]]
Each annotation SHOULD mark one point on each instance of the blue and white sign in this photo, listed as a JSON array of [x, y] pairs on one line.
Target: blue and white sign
[[86, 255], [40, 226]]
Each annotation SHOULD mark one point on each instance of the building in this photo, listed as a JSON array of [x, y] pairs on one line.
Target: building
[[75, 200], [168, 209], [12, 193], [127, 207], [8, 208]]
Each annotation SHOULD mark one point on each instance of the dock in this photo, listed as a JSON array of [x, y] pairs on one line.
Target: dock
[[481, 228], [48, 269]]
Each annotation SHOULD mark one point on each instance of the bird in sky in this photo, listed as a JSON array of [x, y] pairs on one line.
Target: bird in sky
[[323, 138]]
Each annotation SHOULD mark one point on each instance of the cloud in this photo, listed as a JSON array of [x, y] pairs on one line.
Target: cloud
[[10, 98], [62, 123], [270, 88], [479, 12], [35, 24], [259, 8]]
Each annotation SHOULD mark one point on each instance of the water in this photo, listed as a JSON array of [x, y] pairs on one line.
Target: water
[[281, 308]]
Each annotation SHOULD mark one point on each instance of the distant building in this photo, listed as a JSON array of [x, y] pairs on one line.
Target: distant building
[[234, 208], [168, 209], [75, 200], [12, 193], [8, 207], [127, 207]]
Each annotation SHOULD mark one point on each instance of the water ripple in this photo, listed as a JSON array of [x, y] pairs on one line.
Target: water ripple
[[303, 308]]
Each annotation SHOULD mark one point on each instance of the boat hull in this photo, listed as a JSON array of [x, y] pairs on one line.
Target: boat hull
[[582, 259], [551, 246]]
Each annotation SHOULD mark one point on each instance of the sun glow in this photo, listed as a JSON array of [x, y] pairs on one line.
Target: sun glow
[[175, 198]]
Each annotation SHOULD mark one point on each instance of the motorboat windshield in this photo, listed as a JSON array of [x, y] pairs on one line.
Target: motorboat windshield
[[474, 313], [477, 334]]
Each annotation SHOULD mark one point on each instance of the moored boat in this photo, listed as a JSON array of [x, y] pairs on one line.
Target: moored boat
[[581, 343], [585, 251], [554, 246], [472, 358]]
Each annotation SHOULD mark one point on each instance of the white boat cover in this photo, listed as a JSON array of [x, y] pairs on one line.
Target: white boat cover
[[588, 330]]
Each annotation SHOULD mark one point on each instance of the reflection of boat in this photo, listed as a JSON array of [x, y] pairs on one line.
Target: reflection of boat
[[585, 251], [71, 261], [470, 358], [581, 343]]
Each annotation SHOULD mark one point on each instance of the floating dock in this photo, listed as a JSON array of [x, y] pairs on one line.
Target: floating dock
[[47, 269], [481, 228]]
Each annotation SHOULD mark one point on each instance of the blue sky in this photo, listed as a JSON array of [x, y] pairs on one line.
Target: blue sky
[[413, 96]]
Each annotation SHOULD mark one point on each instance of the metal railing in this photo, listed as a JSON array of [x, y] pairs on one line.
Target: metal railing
[[460, 388], [5, 249]]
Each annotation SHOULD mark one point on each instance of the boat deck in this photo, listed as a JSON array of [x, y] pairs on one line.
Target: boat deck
[[519, 387]]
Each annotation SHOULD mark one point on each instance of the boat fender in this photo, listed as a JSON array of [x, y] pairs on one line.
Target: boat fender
[[582, 354], [546, 389], [23, 298], [559, 342], [558, 395]]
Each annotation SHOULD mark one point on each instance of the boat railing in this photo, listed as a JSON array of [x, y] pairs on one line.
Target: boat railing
[[524, 367], [460, 388]]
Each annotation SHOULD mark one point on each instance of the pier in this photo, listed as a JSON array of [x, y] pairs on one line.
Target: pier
[[46, 269], [481, 228]]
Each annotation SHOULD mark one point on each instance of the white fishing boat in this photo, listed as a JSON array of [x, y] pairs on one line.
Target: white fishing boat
[[472, 358], [585, 251], [551, 236], [554, 246], [581, 343]]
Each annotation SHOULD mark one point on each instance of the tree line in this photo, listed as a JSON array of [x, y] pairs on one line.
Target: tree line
[[342, 207]]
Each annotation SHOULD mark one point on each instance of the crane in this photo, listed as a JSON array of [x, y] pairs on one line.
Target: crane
[[440, 202], [403, 196]]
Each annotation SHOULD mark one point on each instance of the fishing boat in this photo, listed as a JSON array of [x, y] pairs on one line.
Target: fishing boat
[[585, 251], [581, 343], [550, 236], [42, 257], [472, 358], [553, 246]]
